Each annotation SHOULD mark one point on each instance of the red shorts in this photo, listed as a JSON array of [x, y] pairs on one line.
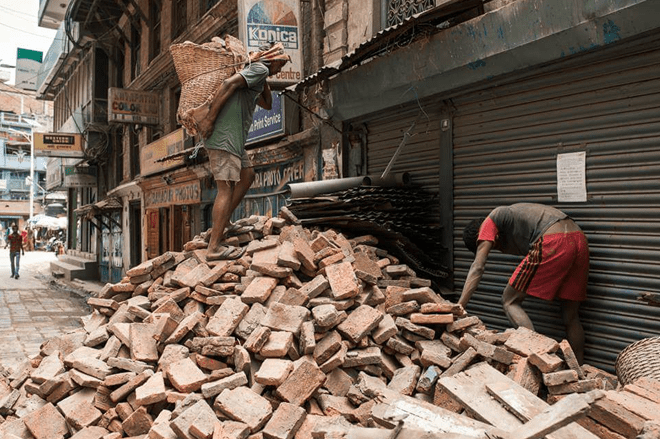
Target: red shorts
[[556, 267]]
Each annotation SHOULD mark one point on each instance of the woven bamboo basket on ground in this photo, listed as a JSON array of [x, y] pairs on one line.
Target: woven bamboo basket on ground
[[640, 359], [201, 70]]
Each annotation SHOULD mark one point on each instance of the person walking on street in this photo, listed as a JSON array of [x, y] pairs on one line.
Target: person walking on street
[[30, 239], [555, 264], [224, 125], [15, 249]]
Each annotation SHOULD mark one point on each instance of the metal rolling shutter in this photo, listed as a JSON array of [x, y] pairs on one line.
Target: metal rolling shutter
[[426, 156], [506, 139], [420, 156]]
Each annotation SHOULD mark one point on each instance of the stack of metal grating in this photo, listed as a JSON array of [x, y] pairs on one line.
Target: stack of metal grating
[[404, 219]]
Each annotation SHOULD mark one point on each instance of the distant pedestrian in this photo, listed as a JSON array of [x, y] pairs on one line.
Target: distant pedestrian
[[15, 249], [30, 239]]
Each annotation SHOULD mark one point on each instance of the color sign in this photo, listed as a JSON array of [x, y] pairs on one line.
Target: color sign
[[265, 21], [133, 106], [58, 145]]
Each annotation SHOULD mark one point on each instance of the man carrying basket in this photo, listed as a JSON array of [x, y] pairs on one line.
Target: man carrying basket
[[224, 124]]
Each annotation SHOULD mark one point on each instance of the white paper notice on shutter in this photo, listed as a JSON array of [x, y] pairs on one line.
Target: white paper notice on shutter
[[571, 178]]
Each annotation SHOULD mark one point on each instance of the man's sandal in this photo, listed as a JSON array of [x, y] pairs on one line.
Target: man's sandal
[[226, 253]]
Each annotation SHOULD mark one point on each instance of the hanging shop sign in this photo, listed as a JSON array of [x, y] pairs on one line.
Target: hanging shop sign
[[184, 193], [80, 176], [58, 145], [267, 124], [159, 149], [133, 106], [265, 21], [27, 68]]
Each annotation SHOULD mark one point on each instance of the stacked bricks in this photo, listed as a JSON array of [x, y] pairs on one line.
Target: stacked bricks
[[301, 331]]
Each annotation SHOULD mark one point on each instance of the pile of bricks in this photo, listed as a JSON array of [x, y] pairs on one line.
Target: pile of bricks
[[308, 335]]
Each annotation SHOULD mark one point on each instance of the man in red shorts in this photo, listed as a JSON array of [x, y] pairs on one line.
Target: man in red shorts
[[556, 263]]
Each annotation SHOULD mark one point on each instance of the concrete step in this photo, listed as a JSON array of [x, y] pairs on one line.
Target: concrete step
[[75, 260], [73, 269]]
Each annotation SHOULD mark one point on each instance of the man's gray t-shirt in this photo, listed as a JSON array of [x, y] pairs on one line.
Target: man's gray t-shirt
[[521, 224], [233, 123]]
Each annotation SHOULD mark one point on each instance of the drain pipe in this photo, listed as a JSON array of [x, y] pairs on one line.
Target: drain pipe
[[313, 188]]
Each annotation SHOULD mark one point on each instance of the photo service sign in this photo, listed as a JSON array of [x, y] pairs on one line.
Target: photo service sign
[[58, 145], [278, 21]]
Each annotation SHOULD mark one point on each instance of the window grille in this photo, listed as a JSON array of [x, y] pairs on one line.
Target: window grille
[[400, 10]]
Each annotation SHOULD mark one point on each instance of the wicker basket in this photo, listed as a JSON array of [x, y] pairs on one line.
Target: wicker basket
[[640, 359], [201, 70]]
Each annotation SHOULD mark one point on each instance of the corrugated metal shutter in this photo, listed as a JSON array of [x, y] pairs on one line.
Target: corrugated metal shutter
[[420, 156], [425, 156], [506, 140]]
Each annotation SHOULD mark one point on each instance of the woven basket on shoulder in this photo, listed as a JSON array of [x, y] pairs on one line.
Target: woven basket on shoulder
[[640, 359], [202, 68]]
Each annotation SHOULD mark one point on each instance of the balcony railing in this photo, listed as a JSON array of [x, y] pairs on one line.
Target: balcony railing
[[57, 53], [16, 121], [10, 161]]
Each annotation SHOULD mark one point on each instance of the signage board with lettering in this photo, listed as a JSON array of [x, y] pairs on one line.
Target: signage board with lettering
[[27, 68], [58, 145], [80, 176], [160, 148], [279, 21], [267, 124], [185, 193], [133, 106]]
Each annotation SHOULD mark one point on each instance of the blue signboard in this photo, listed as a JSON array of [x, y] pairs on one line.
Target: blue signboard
[[267, 123]]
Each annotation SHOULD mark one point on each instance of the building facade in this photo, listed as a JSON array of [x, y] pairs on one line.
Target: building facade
[[505, 102], [112, 79], [482, 102], [21, 114]]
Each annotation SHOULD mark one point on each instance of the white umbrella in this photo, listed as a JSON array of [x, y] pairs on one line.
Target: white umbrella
[[63, 222], [50, 222], [35, 219]]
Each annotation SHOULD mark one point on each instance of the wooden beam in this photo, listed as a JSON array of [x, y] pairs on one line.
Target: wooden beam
[[139, 10], [130, 16], [92, 10]]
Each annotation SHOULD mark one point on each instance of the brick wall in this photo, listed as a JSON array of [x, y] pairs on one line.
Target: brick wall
[[21, 101]]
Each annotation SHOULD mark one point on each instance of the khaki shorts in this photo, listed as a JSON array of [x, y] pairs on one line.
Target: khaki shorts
[[226, 166]]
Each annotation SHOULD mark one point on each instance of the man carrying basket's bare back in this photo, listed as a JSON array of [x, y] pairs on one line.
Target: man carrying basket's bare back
[[224, 124]]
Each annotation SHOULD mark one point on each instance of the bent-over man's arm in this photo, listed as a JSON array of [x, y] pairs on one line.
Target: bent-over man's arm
[[476, 272]]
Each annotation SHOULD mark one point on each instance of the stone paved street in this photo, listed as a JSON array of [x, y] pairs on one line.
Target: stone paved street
[[35, 307]]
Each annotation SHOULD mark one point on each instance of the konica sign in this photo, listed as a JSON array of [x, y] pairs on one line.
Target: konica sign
[[266, 21]]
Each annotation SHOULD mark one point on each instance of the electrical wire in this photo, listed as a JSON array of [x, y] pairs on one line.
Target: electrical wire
[[17, 12], [24, 31]]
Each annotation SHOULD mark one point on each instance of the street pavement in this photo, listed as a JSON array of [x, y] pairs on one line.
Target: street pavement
[[36, 307]]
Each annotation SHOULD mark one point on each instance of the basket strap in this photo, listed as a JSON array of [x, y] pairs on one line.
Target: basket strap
[[199, 145]]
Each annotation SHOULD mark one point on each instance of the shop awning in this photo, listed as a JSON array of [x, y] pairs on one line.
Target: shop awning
[[99, 210]]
